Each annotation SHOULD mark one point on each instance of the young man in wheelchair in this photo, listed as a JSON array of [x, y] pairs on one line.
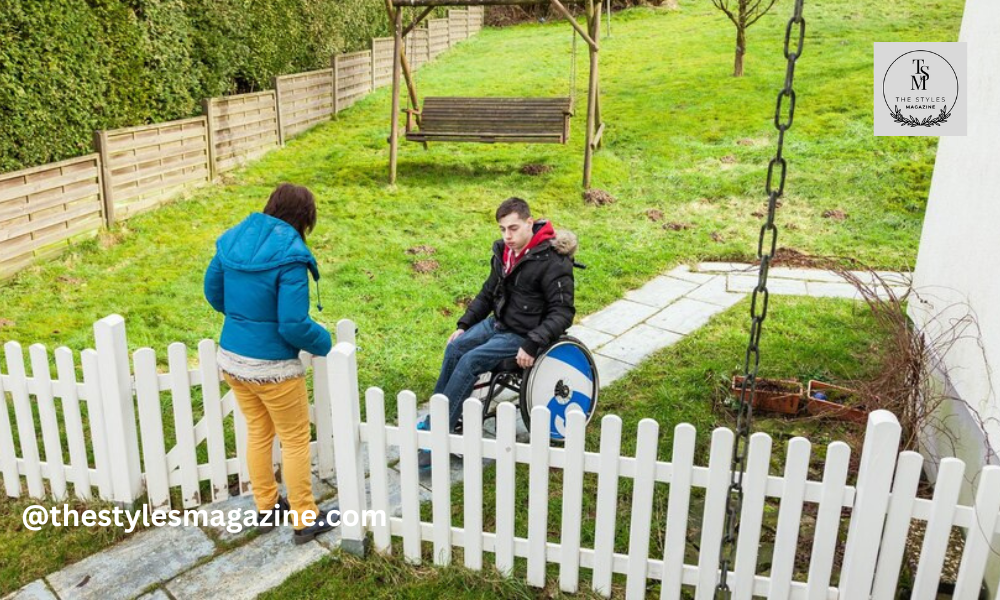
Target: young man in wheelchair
[[524, 306]]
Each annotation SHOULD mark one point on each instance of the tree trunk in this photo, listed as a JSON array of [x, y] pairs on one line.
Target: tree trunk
[[741, 47]]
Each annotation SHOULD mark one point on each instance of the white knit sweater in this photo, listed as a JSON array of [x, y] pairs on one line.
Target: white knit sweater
[[256, 370]]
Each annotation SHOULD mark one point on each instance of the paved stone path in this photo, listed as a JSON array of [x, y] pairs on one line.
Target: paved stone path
[[180, 563]]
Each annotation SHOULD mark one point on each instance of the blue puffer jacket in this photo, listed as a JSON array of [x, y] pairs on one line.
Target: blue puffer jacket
[[259, 279]]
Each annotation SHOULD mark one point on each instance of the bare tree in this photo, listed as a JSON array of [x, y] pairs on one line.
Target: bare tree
[[743, 14]]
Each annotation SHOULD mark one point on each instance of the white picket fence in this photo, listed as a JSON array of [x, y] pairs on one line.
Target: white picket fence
[[122, 457], [881, 505]]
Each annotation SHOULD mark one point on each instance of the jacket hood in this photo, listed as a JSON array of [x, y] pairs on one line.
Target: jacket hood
[[262, 242], [565, 242]]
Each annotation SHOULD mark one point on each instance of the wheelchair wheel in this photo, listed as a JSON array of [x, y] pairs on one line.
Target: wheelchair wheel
[[562, 375]]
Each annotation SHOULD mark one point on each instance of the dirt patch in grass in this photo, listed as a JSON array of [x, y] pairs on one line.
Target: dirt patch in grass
[[835, 214], [654, 214], [422, 249], [674, 226], [598, 197], [426, 266], [535, 169]]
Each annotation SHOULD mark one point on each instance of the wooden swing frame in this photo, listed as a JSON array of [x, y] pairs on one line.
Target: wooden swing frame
[[516, 120]]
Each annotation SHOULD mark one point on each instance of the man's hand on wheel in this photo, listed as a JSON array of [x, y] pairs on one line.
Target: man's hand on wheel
[[455, 335], [524, 360]]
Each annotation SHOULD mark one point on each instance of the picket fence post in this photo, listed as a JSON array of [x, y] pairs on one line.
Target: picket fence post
[[343, 380], [875, 475], [119, 409]]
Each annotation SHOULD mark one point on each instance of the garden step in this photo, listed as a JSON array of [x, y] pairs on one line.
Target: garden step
[[36, 590], [124, 571], [249, 570]]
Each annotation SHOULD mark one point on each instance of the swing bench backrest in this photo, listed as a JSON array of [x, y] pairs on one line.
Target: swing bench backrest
[[489, 120]]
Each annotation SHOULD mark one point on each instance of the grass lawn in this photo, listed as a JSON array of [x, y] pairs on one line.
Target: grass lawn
[[683, 137]]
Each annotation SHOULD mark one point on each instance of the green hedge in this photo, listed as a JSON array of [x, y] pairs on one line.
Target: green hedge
[[70, 67]]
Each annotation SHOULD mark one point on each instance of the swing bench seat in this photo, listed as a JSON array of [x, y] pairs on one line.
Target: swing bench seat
[[491, 120]]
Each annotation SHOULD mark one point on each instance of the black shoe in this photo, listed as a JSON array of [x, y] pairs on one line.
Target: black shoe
[[267, 520], [308, 534]]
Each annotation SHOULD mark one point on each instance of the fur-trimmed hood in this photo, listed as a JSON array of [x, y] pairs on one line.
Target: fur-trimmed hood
[[565, 242]]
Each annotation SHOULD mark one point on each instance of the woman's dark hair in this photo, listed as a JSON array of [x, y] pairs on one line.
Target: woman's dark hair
[[295, 205]]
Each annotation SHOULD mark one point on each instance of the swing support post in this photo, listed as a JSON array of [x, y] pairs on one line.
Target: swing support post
[[594, 125], [397, 62]]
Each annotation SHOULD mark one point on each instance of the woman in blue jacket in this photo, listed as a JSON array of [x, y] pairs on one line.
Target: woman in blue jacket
[[259, 279]]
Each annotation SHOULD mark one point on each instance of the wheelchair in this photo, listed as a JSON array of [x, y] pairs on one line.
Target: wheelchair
[[564, 373]]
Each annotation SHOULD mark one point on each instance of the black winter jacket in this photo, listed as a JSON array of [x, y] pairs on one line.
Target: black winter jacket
[[536, 299]]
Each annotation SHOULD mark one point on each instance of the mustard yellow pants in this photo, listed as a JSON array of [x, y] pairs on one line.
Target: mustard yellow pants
[[281, 408]]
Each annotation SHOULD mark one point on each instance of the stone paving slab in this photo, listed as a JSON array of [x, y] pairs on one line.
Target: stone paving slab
[[783, 287], [124, 571], [244, 502], [250, 570], [618, 317], [36, 590], [638, 343], [661, 291], [155, 595], [591, 338], [609, 370], [805, 274], [684, 316], [714, 292], [684, 272], [723, 267]]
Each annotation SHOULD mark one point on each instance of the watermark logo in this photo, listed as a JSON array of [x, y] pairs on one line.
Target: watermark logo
[[920, 88]]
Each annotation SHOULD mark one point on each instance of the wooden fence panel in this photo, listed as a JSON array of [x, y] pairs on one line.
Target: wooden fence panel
[[44, 208], [147, 165], [304, 100], [437, 35], [477, 14], [352, 75], [242, 128], [382, 51], [418, 48], [458, 26]]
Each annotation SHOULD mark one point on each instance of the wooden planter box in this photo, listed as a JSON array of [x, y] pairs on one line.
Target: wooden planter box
[[773, 395], [830, 408]]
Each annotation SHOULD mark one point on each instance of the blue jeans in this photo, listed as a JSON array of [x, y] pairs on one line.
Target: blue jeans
[[477, 351]]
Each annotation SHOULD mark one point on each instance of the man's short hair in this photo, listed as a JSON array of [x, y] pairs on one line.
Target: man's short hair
[[514, 205]]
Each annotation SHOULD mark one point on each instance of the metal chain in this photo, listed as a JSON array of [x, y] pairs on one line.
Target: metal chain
[[766, 246]]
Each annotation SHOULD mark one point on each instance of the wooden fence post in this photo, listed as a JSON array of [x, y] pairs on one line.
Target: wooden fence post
[[875, 475], [342, 376], [206, 106], [335, 64], [101, 147], [119, 409], [277, 111]]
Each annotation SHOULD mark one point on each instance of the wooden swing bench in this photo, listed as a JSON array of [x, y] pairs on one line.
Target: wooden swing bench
[[491, 120]]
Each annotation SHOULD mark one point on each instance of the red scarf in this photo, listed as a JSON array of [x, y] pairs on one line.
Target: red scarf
[[510, 260]]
